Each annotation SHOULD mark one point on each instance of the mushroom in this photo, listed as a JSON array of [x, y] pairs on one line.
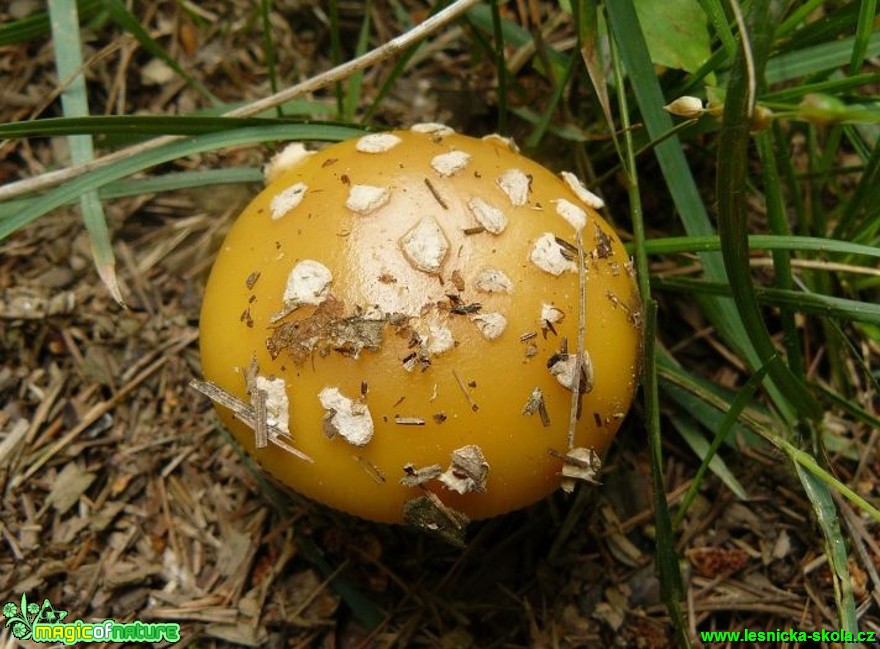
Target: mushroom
[[385, 296]]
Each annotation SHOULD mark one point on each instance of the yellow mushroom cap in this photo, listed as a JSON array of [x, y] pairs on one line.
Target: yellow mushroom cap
[[403, 309]]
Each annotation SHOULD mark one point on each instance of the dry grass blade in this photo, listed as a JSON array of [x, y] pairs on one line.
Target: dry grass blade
[[385, 51]]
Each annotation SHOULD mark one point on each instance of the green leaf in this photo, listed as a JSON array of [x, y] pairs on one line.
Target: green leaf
[[695, 439], [74, 102], [676, 32], [733, 147], [165, 153], [835, 547]]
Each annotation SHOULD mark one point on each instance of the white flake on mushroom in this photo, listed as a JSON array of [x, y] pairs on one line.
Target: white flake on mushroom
[[287, 158], [492, 280], [468, 470], [307, 283], [377, 142], [491, 325], [447, 164], [277, 404], [425, 245], [438, 339], [551, 314], [432, 128], [580, 464], [571, 213], [490, 217], [287, 199], [507, 142], [566, 372], [516, 185], [346, 417], [365, 199], [547, 255], [574, 184]]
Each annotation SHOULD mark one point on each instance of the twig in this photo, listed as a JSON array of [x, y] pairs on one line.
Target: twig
[[582, 332], [384, 51], [247, 415]]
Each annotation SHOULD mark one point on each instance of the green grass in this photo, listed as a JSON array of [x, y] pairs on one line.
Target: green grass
[[810, 80]]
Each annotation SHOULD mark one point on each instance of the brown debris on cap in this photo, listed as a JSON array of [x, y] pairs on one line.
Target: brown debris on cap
[[570, 374], [414, 477], [579, 464], [468, 470], [535, 404]]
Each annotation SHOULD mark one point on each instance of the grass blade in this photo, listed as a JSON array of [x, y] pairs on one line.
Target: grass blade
[[38, 25], [500, 66], [269, 47], [715, 11], [828, 306], [695, 439], [673, 245], [835, 548], [864, 29], [74, 101], [166, 153], [666, 558], [732, 218], [627, 32], [124, 18], [819, 58], [745, 395], [133, 124]]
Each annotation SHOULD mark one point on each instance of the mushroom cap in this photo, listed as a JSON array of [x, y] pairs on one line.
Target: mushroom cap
[[400, 299]]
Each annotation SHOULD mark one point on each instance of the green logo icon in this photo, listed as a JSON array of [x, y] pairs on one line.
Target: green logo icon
[[24, 616], [31, 621]]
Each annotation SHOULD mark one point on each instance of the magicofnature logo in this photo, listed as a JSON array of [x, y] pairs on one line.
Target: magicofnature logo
[[45, 623], [23, 617]]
